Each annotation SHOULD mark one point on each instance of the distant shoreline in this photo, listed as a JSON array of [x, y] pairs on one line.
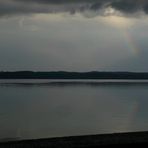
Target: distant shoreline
[[74, 75]]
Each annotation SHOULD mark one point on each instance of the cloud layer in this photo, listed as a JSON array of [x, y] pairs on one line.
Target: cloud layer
[[17, 7]]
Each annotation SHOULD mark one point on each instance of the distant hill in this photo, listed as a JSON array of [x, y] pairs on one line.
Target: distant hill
[[72, 75]]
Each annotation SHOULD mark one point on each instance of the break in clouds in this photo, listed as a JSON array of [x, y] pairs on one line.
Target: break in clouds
[[122, 7]]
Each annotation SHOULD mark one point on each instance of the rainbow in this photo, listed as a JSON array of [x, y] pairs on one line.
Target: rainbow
[[131, 44]]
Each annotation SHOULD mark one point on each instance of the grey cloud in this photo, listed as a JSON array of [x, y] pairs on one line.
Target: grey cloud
[[17, 7]]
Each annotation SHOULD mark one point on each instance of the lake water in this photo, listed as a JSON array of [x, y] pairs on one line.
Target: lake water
[[55, 108]]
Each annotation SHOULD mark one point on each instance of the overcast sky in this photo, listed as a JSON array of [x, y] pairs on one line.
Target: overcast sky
[[74, 35]]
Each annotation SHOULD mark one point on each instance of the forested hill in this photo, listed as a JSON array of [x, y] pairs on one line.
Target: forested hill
[[72, 75]]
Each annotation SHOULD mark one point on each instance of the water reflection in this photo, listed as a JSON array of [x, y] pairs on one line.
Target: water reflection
[[72, 83], [39, 112]]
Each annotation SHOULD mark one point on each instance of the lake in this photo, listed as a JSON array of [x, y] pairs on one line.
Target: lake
[[54, 108]]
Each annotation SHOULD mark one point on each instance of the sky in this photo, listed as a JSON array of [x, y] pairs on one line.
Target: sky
[[74, 35]]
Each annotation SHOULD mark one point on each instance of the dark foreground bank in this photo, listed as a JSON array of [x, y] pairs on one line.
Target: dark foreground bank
[[72, 75], [91, 141]]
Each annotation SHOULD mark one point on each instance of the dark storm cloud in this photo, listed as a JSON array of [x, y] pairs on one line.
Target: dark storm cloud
[[16, 7], [11, 7]]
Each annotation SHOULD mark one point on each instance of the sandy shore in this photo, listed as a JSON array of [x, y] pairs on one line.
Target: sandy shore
[[90, 141]]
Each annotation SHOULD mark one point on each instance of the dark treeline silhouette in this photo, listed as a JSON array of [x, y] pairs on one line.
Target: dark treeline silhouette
[[72, 75]]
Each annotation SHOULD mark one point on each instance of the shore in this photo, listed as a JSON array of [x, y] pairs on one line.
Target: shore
[[89, 141], [74, 75]]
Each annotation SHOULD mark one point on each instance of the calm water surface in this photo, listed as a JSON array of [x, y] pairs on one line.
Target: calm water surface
[[51, 108]]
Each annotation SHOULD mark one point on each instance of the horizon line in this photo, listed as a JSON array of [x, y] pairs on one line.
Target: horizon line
[[33, 71]]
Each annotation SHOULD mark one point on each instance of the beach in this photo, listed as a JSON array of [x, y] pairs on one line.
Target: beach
[[88, 141]]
